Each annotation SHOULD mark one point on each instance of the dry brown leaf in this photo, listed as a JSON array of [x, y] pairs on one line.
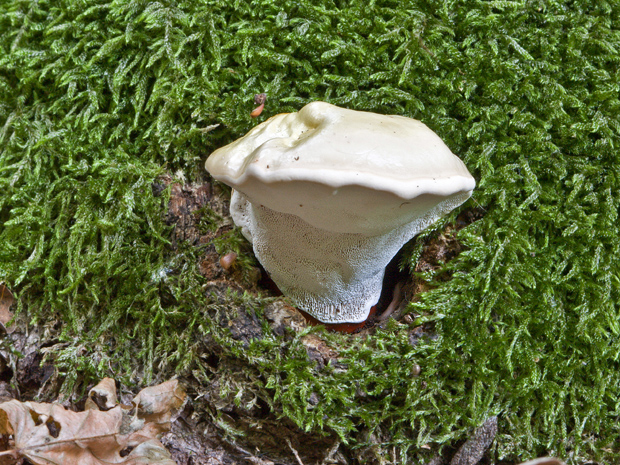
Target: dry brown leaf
[[48, 434], [102, 396], [6, 300], [157, 404]]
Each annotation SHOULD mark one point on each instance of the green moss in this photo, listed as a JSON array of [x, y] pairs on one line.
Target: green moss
[[98, 97]]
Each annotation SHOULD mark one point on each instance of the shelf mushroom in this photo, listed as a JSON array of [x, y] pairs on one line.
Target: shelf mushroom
[[327, 196]]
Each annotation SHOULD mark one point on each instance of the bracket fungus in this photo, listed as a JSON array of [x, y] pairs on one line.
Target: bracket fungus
[[327, 197]]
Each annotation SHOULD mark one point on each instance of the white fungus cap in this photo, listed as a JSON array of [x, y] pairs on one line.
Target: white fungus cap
[[328, 196], [342, 170]]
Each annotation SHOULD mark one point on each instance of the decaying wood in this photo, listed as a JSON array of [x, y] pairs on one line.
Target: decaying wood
[[472, 451]]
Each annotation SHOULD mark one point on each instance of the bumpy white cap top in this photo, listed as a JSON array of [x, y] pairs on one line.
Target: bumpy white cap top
[[343, 170]]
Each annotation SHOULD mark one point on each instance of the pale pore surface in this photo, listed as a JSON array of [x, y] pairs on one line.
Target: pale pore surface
[[335, 277]]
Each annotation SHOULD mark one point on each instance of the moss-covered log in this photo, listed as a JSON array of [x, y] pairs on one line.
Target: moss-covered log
[[99, 99]]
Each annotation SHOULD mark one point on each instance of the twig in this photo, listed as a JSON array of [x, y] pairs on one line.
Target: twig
[[393, 304], [331, 452], [423, 45], [294, 452], [544, 461], [242, 450], [208, 128]]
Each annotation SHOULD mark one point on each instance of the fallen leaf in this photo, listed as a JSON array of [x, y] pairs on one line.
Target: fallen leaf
[[49, 434], [102, 396], [260, 100], [157, 404], [6, 300]]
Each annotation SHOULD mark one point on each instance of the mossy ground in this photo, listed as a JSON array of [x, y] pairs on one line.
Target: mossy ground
[[98, 98]]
